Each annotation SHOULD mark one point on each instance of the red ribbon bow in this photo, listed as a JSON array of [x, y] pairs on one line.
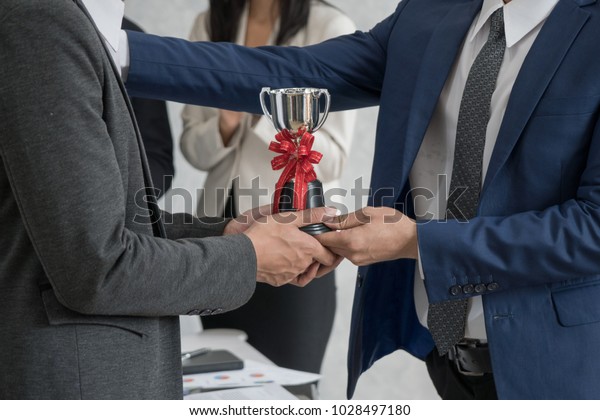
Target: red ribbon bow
[[297, 157]]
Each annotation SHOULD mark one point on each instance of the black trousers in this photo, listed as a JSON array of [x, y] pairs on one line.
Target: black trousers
[[290, 325], [453, 385]]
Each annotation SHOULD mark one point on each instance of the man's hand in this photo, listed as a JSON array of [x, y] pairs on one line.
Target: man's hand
[[284, 253], [241, 223], [371, 235]]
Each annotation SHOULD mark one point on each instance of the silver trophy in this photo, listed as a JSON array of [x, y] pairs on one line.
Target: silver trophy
[[296, 114]]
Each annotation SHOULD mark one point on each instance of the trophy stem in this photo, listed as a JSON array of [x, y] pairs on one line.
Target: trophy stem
[[314, 198]]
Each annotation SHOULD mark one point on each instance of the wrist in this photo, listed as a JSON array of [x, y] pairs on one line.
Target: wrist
[[255, 240], [411, 246], [231, 228], [414, 244]]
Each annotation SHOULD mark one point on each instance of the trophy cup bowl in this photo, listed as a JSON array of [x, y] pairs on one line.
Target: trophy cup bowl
[[296, 111]]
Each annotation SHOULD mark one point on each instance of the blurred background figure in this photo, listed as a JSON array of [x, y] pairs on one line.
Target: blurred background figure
[[153, 121], [291, 326]]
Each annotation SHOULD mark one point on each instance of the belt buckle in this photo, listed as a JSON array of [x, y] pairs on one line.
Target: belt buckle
[[453, 355]]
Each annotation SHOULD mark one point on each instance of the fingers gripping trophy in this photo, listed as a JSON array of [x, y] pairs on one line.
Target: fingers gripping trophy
[[296, 115]]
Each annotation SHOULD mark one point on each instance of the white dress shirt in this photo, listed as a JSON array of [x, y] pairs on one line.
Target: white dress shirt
[[432, 169], [108, 15]]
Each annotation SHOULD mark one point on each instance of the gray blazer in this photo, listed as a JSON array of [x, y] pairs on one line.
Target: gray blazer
[[90, 286]]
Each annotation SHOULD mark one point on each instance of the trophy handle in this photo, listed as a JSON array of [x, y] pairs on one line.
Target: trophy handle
[[264, 91], [326, 110]]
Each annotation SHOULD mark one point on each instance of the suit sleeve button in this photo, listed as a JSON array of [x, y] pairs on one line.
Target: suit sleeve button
[[480, 288], [194, 312], [468, 289], [206, 312], [493, 286], [455, 290], [218, 311]]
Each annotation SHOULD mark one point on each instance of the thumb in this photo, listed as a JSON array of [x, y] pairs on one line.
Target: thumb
[[315, 215], [349, 221]]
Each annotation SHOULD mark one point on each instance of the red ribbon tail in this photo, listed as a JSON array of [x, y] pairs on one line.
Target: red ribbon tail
[[300, 189], [286, 175]]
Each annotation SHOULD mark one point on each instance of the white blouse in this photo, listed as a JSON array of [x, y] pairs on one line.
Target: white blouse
[[247, 156]]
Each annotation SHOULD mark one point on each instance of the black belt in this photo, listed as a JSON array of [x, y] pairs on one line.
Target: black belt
[[471, 357]]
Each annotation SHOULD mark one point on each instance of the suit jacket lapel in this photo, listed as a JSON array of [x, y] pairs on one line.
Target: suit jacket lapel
[[441, 53], [155, 212], [542, 62]]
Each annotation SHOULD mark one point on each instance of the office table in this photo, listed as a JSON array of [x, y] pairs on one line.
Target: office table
[[229, 339], [235, 342]]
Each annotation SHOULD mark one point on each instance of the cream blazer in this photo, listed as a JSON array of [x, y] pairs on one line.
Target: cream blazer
[[247, 158]]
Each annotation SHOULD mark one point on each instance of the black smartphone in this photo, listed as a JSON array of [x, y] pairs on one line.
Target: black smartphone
[[212, 361]]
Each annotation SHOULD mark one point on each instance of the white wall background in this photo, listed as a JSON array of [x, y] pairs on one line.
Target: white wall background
[[397, 376]]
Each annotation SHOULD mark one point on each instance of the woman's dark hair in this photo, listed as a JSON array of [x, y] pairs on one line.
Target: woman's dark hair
[[224, 18]]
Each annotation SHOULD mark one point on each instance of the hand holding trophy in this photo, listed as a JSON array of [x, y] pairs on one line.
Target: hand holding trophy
[[295, 114]]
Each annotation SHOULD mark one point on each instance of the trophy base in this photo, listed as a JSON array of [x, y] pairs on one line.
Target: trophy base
[[316, 229], [314, 198]]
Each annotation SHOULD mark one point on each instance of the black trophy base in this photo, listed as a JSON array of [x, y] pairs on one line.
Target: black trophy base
[[314, 198]]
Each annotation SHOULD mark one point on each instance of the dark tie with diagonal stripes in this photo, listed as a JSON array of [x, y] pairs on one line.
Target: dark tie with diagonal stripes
[[446, 320]]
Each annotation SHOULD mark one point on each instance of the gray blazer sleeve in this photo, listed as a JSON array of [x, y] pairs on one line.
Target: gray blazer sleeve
[[184, 225], [60, 161]]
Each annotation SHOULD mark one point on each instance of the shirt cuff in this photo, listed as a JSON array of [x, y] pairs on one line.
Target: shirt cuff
[[123, 55], [420, 264]]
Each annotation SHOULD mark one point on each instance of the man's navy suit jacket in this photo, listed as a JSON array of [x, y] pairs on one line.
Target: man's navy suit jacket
[[534, 247]]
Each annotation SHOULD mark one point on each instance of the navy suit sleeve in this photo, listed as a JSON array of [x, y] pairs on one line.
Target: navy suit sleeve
[[560, 243], [224, 75]]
